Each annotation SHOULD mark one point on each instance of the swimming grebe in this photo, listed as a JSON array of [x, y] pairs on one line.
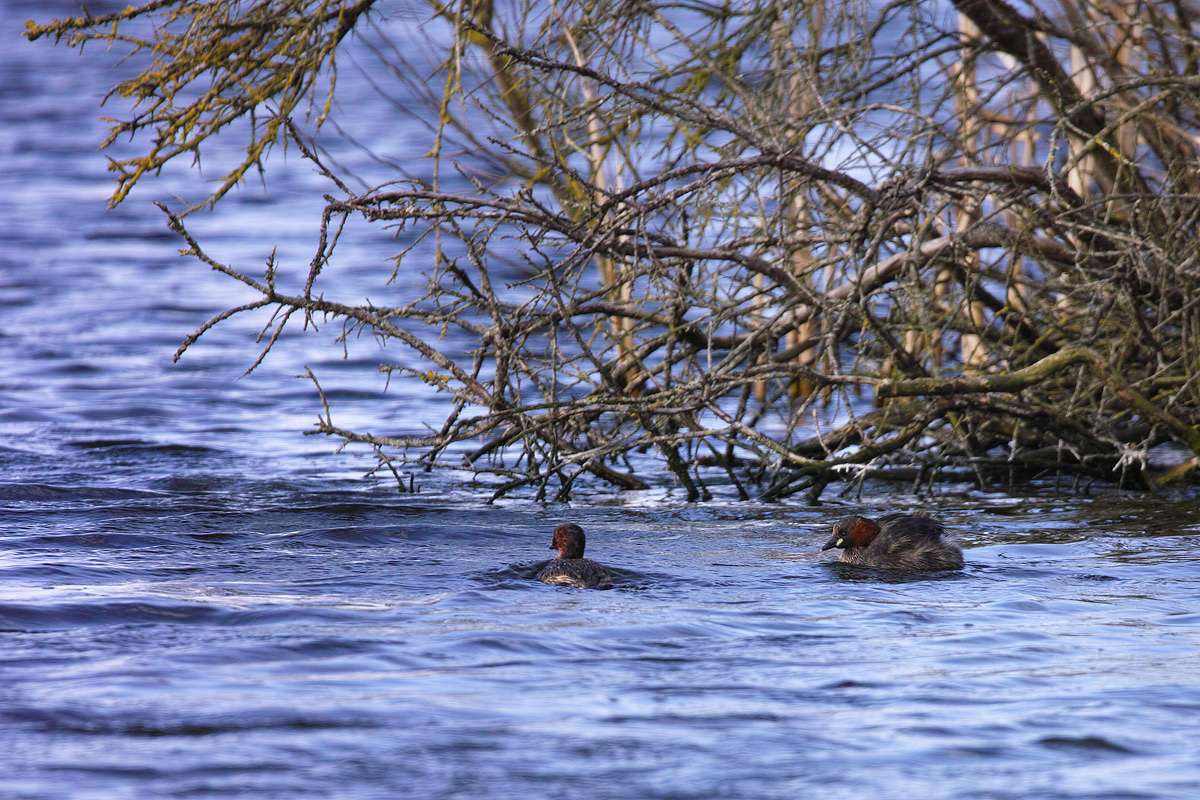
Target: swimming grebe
[[571, 568], [894, 541]]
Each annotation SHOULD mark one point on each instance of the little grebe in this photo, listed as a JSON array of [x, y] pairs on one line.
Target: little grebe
[[571, 568], [894, 541]]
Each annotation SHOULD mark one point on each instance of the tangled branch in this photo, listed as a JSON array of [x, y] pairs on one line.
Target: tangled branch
[[768, 256]]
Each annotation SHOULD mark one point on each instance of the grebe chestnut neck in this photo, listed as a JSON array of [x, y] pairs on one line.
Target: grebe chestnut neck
[[894, 541]]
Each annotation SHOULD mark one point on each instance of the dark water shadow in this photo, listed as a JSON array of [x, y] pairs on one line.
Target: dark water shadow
[[523, 574], [855, 572]]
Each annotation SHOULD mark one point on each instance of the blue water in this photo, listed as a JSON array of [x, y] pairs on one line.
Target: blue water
[[196, 600]]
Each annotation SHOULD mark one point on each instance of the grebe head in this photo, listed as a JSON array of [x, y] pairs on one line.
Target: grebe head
[[852, 532], [568, 541]]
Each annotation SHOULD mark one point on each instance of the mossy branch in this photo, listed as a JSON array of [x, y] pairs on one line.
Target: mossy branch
[[212, 64], [1048, 367]]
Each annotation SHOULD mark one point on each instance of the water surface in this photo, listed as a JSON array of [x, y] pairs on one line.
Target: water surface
[[197, 601]]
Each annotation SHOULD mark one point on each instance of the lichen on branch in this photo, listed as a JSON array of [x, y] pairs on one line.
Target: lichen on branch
[[209, 65]]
